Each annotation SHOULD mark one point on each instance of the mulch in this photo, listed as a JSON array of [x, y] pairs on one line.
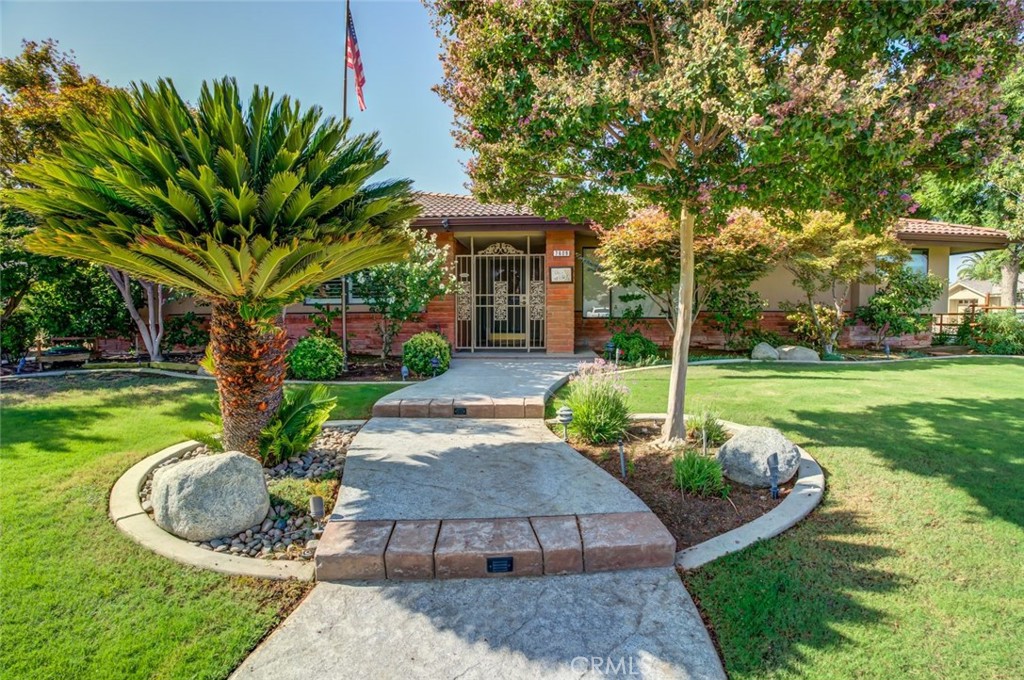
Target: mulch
[[690, 519]]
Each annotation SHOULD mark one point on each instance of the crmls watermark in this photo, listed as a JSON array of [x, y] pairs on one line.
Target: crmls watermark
[[621, 666]]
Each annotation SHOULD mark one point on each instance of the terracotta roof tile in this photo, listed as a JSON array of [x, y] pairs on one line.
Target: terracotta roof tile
[[456, 205], [911, 228]]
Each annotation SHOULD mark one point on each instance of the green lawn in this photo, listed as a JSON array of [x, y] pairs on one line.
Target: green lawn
[[913, 566], [77, 598]]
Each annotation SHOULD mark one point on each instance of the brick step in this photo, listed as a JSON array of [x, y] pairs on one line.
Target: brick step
[[460, 407], [487, 548]]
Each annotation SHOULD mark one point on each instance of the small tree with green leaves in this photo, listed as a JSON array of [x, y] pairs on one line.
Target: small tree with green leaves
[[399, 291], [826, 257], [901, 307]]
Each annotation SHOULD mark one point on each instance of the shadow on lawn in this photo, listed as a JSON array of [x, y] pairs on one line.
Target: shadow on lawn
[[35, 410], [974, 444], [769, 601]]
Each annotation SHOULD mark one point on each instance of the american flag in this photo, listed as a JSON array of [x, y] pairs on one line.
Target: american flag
[[355, 62]]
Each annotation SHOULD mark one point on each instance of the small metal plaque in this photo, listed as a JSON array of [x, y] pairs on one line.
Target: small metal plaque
[[460, 410], [561, 253], [499, 565]]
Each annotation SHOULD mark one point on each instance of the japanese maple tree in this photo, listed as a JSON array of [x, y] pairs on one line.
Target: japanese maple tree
[[700, 107]]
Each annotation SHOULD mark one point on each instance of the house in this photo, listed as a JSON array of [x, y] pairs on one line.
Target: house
[[531, 285], [967, 294]]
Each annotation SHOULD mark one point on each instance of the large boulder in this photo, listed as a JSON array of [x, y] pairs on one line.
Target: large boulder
[[794, 353], [764, 352], [210, 496], [744, 457]]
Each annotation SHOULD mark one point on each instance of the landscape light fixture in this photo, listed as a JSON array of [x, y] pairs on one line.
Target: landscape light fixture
[[316, 507], [609, 350], [405, 373], [564, 416], [435, 363], [773, 474], [622, 458]]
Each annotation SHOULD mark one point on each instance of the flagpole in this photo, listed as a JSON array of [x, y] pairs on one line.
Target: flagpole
[[344, 280]]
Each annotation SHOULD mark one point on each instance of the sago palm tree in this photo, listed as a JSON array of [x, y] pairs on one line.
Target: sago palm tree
[[245, 206]]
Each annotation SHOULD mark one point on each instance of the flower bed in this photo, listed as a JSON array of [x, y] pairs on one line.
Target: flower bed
[[691, 519], [288, 531]]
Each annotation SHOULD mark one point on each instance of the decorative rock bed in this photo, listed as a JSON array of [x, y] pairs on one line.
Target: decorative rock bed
[[286, 533]]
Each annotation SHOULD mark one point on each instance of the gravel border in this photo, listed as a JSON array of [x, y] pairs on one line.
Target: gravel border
[[126, 512]]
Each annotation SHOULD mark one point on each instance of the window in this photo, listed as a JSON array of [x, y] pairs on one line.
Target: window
[[329, 293], [601, 301], [918, 260]]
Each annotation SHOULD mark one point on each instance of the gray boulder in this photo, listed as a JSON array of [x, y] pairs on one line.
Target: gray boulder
[[794, 353], [744, 457], [764, 352], [210, 496]]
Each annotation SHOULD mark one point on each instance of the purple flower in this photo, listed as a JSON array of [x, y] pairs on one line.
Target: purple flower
[[943, 38], [905, 197], [883, 193]]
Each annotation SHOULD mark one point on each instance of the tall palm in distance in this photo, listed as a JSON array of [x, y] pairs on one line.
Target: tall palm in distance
[[247, 206]]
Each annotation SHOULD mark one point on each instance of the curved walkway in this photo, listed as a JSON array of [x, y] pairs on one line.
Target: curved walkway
[[453, 471]]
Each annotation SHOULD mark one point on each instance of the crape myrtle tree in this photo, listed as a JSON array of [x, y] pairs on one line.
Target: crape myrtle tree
[[700, 107], [992, 198], [643, 251], [247, 206]]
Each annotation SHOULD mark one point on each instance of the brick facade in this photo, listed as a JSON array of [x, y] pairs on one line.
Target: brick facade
[[561, 297]]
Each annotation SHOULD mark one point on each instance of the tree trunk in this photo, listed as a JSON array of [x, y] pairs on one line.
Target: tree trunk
[[152, 331], [249, 357], [1011, 277], [675, 423]]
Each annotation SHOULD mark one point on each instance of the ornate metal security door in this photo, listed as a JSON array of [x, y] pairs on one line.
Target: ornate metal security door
[[500, 299]]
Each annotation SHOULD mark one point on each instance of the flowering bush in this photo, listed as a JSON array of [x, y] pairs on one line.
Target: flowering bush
[[599, 403]]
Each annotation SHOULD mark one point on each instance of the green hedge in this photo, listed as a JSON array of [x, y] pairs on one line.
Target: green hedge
[[421, 348], [315, 357]]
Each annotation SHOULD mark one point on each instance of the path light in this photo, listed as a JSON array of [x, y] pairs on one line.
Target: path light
[[888, 352], [316, 507], [435, 363], [619, 353], [609, 350], [405, 373], [565, 417], [622, 458], [773, 474]]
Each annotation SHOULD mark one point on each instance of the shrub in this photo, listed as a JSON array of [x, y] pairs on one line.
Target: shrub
[[705, 423], [185, 330], [998, 333], [17, 332], [421, 348], [834, 356], [296, 425], [698, 475], [315, 357], [943, 337], [598, 401], [816, 327], [895, 310], [635, 346]]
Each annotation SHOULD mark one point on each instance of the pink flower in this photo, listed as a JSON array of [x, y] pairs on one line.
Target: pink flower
[[883, 193], [943, 38]]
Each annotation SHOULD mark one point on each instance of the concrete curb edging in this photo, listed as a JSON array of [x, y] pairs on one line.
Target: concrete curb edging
[[805, 496], [128, 516], [807, 493]]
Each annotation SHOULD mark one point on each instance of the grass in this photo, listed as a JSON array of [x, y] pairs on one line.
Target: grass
[[78, 598], [911, 567]]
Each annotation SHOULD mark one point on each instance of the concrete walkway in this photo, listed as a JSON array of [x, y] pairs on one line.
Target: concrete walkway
[[468, 485], [451, 468], [635, 624]]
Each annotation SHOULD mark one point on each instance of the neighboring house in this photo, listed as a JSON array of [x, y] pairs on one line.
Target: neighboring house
[[530, 284], [966, 294]]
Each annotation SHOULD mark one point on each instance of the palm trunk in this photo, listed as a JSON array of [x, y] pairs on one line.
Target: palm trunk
[[675, 422], [249, 358]]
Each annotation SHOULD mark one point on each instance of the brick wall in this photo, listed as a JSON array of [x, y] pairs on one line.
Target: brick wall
[[560, 328]]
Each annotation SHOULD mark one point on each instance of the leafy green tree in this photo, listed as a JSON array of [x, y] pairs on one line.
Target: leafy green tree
[[399, 291], [701, 107], [81, 303], [826, 256], [992, 198], [897, 309], [246, 206]]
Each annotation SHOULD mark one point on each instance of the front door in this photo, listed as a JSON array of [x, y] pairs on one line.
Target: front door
[[500, 299]]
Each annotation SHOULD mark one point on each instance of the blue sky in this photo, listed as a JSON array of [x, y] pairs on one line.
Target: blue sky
[[294, 47]]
